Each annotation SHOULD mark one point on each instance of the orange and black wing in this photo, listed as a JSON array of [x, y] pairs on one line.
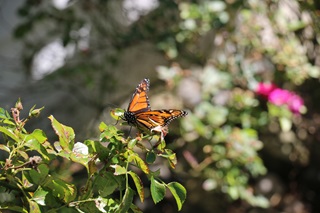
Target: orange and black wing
[[154, 119], [139, 101]]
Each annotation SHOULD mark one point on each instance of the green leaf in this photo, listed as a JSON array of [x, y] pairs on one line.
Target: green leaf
[[119, 170], [39, 135], [9, 133], [37, 176], [101, 203], [34, 207], [3, 114], [116, 113], [4, 148], [132, 143], [60, 189], [139, 185], [7, 119], [171, 156], [97, 148], [151, 157], [103, 127], [158, 190], [109, 133], [13, 208], [34, 142], [23, 154], [139, 162], [127, 201], [106, 183], [178, 192], [39, 196], [65, 133]]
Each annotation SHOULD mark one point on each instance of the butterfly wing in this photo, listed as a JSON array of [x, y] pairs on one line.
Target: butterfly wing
[[140, 114], [154, 120], [139, 101]]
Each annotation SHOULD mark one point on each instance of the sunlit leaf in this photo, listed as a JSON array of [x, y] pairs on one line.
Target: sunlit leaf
[[65, 133], [139, 162], [119, 170], [34, 142], [117, 113], [39, 196], [9, 133], [4, 148], [178, 192], [132, 143], [139, 185]]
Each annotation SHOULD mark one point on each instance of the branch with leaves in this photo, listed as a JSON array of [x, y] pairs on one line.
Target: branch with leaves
[[31, 184]]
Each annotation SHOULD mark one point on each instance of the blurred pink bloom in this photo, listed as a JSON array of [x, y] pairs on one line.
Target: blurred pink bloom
[[279, 97], [265, 89], [295, 103]]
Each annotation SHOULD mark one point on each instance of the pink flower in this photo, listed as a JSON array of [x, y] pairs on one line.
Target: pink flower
[[265, 89], [279, 97], [284, 97], [295, 103]]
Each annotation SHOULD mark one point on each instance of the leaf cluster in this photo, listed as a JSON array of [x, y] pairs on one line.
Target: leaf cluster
[[28, 180]]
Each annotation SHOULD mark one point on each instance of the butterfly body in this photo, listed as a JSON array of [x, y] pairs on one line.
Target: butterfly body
[[139, 112]]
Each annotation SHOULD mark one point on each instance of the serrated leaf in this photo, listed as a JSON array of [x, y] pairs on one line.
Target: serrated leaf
[[158, 190], [139, 185], [126, 201], [65, 133], [178, 192]]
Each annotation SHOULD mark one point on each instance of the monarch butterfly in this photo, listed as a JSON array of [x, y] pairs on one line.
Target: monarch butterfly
[[139, 112]]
